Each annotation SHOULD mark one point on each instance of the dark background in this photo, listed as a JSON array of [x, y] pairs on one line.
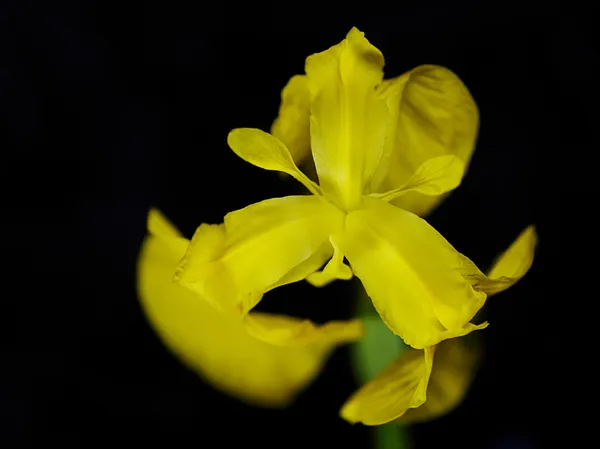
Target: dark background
[[108, 110]]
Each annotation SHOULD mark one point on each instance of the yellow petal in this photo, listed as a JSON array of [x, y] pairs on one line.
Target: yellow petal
[[509, 267], [268, 152], [286, 331], [234, 264], [434, 177], [433, 115], [348, 121], [335, 269], [411, 273], [217, 346], [453, 370], [292, 124], [401, 386]]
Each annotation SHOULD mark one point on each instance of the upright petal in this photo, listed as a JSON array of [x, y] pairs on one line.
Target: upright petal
[[411, 273], [400, 387], [234, 264], [453, 370], [292, 125], [433, 115], [508, 268], [217, 346], [348, 121]]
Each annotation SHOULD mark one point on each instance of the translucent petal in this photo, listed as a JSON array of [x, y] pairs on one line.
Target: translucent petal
[[234, 264], [348, 121], [218, 346], [411, 273], [433, 115], [453, 370], [401, 386], [268, 152]]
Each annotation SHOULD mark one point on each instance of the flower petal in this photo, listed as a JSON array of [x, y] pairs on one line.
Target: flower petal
[[509, 267], [292, 125], [268, 152], [335, 269], [410, 272], [348, 121], [434, 177], [401, 386], [453, 370], [234, 264], [217, 346], [288, 331], [433, 115]]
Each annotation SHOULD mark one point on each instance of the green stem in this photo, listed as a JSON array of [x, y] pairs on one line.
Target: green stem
[[391, 436]]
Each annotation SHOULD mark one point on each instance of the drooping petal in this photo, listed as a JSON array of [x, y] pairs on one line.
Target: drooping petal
[[411, 273], [434, 177], [348, 121], [433, 114], [508, 268], [292, 125], [268, 152], [453, 370], [218, 346], [234, 264], [401, 386]]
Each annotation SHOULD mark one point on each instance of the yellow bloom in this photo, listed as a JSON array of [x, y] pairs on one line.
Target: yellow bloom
[[424, 384], [221, 348], [384, 151]]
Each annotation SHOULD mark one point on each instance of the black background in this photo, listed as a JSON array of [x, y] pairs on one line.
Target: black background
[[107, 110]]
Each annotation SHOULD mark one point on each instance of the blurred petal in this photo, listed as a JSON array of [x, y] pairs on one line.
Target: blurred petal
[[348, 121], [401, 386], [287, 331], [268, 152], [433, 115], [434, 177], [509, 267], [411, 273], [234, 264], [292, 125], [217, 346], [453, 370]]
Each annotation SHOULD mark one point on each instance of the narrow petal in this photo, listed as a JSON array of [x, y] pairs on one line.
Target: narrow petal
[[453, 370], [234, 264], [268, 152], [348, 121], [292, 125], [411, 273], [433, 115], [217, 346], [287, 331], [509, 267], [400, 387], [434, 177]]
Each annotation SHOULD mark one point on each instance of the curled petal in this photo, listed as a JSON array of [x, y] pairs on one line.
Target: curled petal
[[232, 265], [411, 273], [433, 115], [508, 268], [400, 387], [218, 346]]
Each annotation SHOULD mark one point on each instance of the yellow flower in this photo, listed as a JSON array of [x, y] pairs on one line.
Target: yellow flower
[[424, 384], [384, 151], [221, 348]]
